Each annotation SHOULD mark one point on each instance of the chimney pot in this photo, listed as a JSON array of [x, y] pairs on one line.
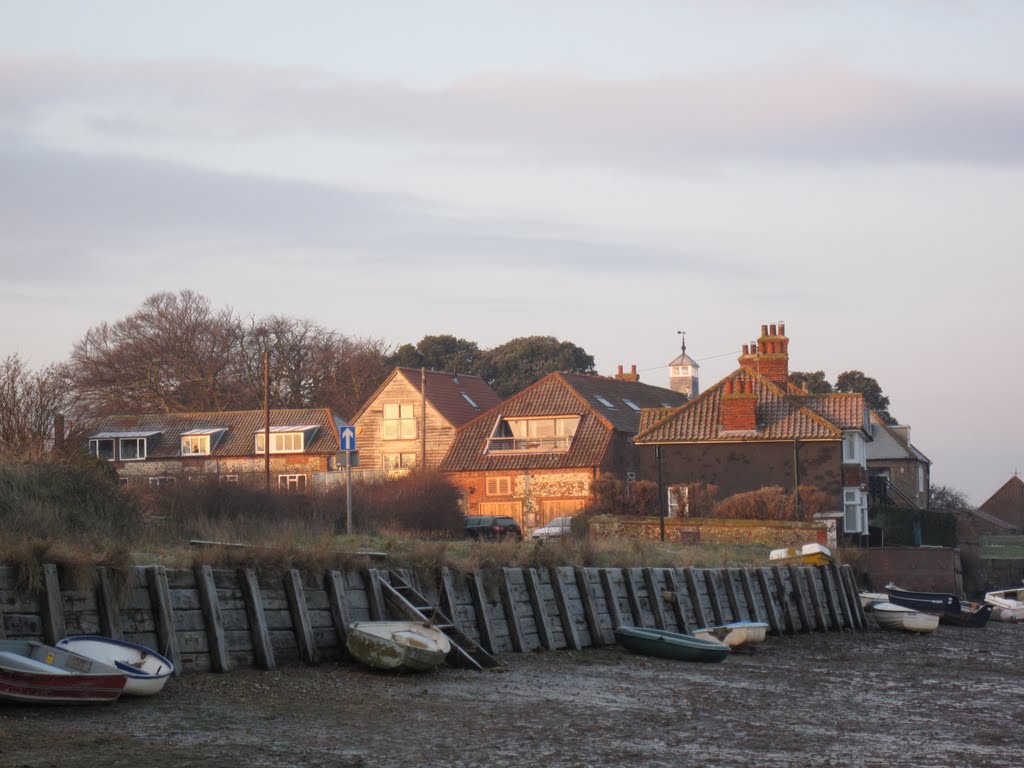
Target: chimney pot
[[773, 331], [632, 369], [620, 369], [782, 328], [764, 330]]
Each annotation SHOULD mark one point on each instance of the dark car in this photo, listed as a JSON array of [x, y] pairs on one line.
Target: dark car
[[492, 527]]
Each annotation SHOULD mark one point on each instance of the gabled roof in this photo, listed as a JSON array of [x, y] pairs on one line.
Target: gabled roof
[[780, 415], [599, 401], [685, 359], [165, 429], [1008, 501], [459, 398], [891, 443]]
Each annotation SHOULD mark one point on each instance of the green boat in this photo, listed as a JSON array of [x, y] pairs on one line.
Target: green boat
[[670, 645]]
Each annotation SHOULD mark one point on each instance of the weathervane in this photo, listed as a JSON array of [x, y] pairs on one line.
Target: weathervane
[[682, 334]]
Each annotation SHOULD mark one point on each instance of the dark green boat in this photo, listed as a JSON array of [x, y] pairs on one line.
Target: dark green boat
[[670, 645]]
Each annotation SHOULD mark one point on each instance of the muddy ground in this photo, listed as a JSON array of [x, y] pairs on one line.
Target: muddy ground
[[954, 698]]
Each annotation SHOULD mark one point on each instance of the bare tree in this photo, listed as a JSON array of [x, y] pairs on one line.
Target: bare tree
[[30, 404], [174, 353]]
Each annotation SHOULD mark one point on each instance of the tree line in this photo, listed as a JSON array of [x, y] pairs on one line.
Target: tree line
[[177, 352]]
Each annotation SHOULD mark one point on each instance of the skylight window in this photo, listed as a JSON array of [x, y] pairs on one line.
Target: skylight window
[[469, 400], [631, 404], [604, 402]]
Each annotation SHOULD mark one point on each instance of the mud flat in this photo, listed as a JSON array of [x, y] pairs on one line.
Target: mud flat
[[872, 698]]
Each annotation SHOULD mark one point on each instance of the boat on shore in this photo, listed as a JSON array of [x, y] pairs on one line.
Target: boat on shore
[[1007, 604], [900, 617], [146, 669], [949, 608], [808, 554], [413, 645], [670, 645], [868, 599], [738, 634], [32, 672]]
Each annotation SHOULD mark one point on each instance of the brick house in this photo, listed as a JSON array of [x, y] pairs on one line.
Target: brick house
[[898, 473], [534, 456], [754, 429], [229, 446], [410, 421]]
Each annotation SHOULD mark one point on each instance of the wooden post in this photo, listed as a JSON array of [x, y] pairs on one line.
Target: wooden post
[[219, 659], [339, 606], [572, 639], [293, 589], [672, 582], [783, 589], [854, 597], [611, 598], [842, 602], [540, 614], [748, 593], [636, 609], [698, 606], [774, 621], [483, 619], [109, 610], [801, 600], [589, 607], [716, 602], [515, 629], [375, 596], [728, 576], [54, 628], [160, 594], [262, 647], [654, 598], [817, 601], [831, 598], [447, 596]]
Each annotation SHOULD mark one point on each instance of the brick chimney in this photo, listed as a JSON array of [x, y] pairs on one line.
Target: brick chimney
[[631, 376], [739, 406], [769, 355]]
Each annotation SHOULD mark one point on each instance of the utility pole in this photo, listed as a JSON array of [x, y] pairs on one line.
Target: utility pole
[[423, 417], [266, 416]]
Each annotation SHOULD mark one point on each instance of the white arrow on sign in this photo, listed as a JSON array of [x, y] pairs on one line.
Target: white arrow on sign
[[348, 439]]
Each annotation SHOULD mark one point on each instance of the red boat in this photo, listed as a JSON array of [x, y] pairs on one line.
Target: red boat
[[34, 672]]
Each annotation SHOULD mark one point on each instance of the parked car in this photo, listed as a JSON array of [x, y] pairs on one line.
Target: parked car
[[492, 527], [556, 528]]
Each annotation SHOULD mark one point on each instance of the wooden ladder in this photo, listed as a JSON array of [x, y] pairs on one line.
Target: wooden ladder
[[407, 600]]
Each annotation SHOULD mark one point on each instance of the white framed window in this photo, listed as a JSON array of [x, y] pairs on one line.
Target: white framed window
[[155, 482], [922, 483], [853, 448], [195, 445], [132, 448], [499, 486], [102, 448], [631, 404], [282, 442], [853, 521], [399, 460], [291, 483], [399, 422], [533, 435]]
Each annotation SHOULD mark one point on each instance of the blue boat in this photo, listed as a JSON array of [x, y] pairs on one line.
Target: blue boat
[[670, 645], [949, 608]]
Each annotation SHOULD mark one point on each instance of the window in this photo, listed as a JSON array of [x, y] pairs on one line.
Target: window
[[102, 448], [852, 518], [922, 486], [533, 435], [499, 486], [291, 483], [399, 422], [195, 445], [286, 439], [853, 448], [155, 482], [469, 400], [604, 402], [399, 460], [133, 448], [631, 404]]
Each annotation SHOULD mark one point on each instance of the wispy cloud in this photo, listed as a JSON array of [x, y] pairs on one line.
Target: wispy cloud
[[818, 116]]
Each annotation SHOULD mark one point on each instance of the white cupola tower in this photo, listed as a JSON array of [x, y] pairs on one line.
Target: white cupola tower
[[682, 373]]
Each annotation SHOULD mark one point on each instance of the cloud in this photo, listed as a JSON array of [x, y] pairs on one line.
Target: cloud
[[815, 115]]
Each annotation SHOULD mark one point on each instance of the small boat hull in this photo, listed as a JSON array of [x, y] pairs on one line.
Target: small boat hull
[[670, 645], [808, 554], [1007, 604], [32, 672], [949, 608], [899, 617], [408, 645], [738, 634], [868, 599], [146, 669]]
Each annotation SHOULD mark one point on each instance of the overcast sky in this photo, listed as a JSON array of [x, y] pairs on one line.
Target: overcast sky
[[608, 173]]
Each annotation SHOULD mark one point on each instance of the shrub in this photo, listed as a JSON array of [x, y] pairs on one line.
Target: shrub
[[699, 500], [773, 503], [420, 501], [613, 497]]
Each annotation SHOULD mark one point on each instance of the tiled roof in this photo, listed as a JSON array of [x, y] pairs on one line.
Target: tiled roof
[[447, 392], [780, 416], [888, 443], [559, 394], [844, 409], [1008, 501], [241, 426]]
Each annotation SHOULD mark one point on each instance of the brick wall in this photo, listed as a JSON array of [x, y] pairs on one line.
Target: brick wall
[[773, 534]]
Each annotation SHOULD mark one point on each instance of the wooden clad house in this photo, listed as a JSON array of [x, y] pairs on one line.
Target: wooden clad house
[[754, 429], [534, 456], [229, 446], [410, 421]]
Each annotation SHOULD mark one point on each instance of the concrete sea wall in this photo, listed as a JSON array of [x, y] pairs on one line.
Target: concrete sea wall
[[208, 619]]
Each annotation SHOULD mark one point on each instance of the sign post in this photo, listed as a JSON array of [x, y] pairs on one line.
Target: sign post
[[348, 447]]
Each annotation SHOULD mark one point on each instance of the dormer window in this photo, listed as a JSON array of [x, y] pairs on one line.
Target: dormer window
[[290, 439], [130, 446], [533, 435], [200, 442]]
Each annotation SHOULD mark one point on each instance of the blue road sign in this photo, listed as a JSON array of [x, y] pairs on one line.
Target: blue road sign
[[348, 439]]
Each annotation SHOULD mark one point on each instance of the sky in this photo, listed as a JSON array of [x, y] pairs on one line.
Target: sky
[[606, 172]]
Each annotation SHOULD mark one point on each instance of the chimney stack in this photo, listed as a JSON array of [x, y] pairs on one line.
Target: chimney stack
[[631, 376], [739, 406], [769, 355]]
